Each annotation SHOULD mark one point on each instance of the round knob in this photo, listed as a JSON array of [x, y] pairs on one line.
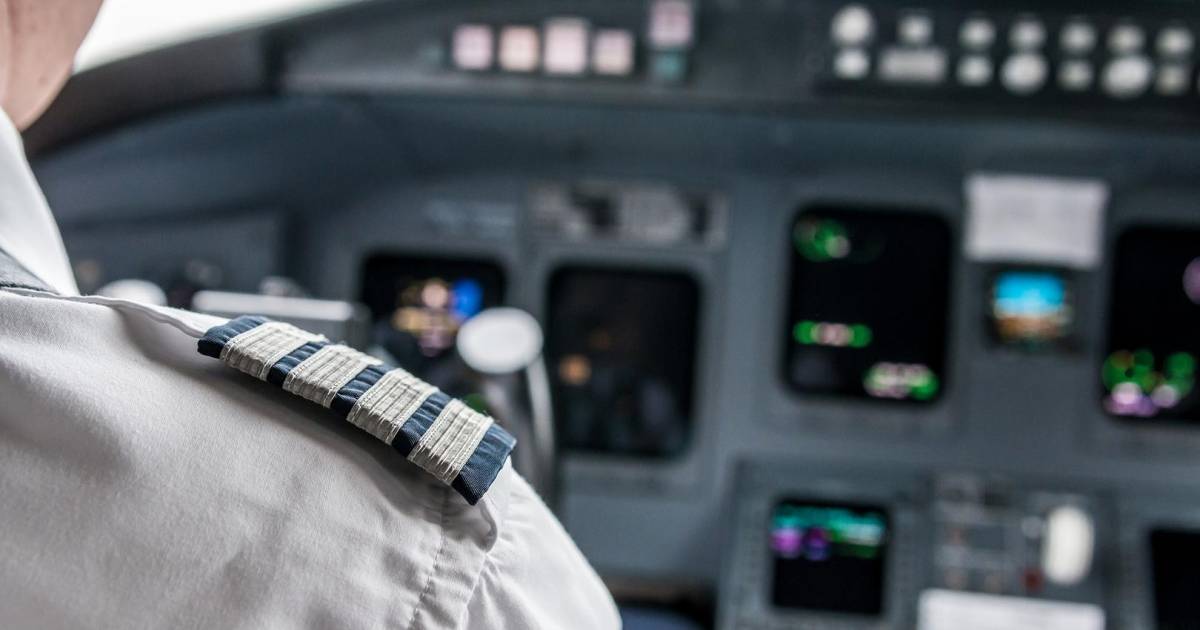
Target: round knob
[[500, 341]]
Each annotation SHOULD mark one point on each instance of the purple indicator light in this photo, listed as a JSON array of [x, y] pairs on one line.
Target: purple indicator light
[[786, 542], [817, 545], [1191, 281]]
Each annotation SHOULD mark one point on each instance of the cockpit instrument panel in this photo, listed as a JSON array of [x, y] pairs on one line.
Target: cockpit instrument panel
[[1175, 557], [621, 346], [418, 303], [828, 556], [1149, 372], [868, 308]]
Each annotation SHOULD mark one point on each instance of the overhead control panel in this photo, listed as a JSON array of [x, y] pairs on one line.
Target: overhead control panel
[[1081, 53], [569, 45], [1061, 60]]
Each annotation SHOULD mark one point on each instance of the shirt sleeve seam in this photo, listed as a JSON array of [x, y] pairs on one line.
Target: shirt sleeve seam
[[437, 560]]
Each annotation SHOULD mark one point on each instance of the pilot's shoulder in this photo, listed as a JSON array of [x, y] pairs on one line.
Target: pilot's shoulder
[[451, 442], [454, 443], [534, 555], [212, 472]]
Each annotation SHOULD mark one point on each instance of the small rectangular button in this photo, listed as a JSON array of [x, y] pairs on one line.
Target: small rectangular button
[[566, 41], [912, 65], [472, 47]]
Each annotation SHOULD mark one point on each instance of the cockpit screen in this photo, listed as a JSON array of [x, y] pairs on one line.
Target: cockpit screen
[[417, 305], [621, 347], [1175, 558], [1154, 334], [829, 556], [868, 307]]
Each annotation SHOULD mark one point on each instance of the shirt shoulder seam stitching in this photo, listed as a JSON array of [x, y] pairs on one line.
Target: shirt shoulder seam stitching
[[435, 570]]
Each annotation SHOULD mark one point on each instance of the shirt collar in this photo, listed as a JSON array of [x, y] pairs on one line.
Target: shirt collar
[[27, 229]]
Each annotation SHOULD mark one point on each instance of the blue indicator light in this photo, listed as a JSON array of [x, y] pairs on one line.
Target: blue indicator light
[[468, 298]]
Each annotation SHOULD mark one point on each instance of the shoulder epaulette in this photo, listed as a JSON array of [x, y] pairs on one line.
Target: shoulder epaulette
[[456, 444]]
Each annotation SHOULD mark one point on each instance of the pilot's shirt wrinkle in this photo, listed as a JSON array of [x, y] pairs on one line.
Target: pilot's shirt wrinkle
[[143, 485]]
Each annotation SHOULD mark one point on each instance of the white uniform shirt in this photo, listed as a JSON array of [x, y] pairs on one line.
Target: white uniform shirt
[[143, 485]]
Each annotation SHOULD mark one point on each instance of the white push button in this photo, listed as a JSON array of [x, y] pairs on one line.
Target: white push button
[[1068, 546], [974, 70], [915, 29], [977, 33], [1126, 38], [912, 65], [851, 63], [1024, 73], [1172, 79], [852, 25], [672, 25], [566, 46], [1075, 75], [520, 49], [1077, 37], [472, 47], [1175, 41], [1027, 34], [1127, 77], [612, 52]]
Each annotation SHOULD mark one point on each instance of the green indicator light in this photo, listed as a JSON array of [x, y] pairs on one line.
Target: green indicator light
[[1118, 368], [806, 243], [1165, 387], [1181, 364], [925, 387], [1142, 372], [1143, 358], [860, 336], [862, 552], [803, 332], [1180, 372], [821, 240]]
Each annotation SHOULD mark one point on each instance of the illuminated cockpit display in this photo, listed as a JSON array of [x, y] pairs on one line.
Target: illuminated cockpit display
[[1031, 309], [867, 313], [1154, 334], [418, 305], [829, 556]]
